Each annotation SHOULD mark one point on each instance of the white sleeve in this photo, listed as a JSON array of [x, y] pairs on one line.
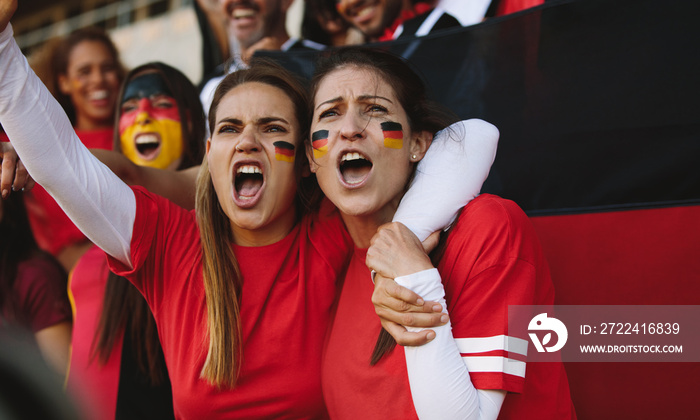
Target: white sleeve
[[100, 204], [440, 384], [449, 176]]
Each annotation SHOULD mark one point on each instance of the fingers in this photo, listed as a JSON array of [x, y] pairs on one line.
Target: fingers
[[388, 287], [407, 338], [7, 173], [431, 242], [21, 177]]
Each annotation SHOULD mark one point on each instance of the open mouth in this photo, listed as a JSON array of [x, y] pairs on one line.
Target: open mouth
[[362, 11], [354, 169], [248, 183], [148, 145]]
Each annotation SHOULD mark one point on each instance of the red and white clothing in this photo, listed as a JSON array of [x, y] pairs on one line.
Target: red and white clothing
[[492, 260], [288, 290], [155, 244], [52, 228]]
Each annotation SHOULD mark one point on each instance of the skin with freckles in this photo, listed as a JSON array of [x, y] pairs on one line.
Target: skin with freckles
[[149, 126], [250, 119]]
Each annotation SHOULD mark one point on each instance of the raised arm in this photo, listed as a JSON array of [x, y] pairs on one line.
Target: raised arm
[[102, 206], [449, 176]]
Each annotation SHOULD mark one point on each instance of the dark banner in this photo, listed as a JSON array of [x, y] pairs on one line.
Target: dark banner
[[597, 101]]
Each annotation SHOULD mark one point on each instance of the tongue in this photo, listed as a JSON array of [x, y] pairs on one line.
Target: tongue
[[249, 187], [353, 175]]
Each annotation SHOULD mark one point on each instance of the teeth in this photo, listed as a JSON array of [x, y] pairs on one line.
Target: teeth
[[363, 12], [100, 94], [243, 13], [351, 156], [248, 169], [147, 139]]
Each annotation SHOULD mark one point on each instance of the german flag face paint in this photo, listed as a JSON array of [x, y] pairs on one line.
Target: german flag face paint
[[319, 142], [150, 129], [284, 151], [393, 135]]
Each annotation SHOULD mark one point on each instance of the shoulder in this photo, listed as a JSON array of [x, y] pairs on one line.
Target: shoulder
[[40, 270], [498, 225]]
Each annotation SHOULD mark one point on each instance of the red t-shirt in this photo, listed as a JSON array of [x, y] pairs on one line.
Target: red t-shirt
[[52, 228], [40, 295], [93, 384], [288, 289], [492, 260]]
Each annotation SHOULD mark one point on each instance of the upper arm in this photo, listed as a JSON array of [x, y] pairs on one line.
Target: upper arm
[[54, 345]]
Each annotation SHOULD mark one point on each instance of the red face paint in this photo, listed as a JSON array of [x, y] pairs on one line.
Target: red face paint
[[319, 142], [284, 151], [393, 134]]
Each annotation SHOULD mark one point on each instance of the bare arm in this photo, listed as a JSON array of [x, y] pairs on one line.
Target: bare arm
[[176, 186], [54, 345]]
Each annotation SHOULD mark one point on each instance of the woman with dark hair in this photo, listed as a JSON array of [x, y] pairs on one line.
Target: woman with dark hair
[[490, 259], [85, 73], [117, 368], [32, 287]]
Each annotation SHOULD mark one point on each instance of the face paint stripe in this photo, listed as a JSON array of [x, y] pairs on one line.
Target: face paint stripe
[[391, 126], [284, 151], [319, 142], [320, 134], [393, 134], [393, 143]]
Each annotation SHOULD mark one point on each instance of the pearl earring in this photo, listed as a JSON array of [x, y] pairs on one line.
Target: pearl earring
[[414, 157]]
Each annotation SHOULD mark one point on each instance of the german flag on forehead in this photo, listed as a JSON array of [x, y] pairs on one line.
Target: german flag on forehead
[[393, 134], [284, 151]]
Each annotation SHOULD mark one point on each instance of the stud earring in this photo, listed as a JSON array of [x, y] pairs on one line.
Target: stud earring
[[414, 157]]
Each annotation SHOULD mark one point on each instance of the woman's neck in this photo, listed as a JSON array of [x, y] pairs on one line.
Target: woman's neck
[[363, 227]]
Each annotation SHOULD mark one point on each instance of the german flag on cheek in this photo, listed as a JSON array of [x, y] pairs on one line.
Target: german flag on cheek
[[319, 141], [284, 151], [393, 134]]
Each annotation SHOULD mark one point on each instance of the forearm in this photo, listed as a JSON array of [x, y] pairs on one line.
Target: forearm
[[449, 176], [102, 206], [440, 383]]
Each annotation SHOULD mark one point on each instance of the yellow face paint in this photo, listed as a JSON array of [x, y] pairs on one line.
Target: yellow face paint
[[153, 142], [319, 142]]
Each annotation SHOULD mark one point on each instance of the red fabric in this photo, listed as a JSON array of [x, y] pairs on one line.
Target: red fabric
[[640, 257], [93, 384], [511, 6], [288, 290], [40, 294], [52, 229], [492, 260], [418, 9]]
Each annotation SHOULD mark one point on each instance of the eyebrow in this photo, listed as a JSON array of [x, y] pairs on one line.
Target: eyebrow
[[361, 98], [259, 121]]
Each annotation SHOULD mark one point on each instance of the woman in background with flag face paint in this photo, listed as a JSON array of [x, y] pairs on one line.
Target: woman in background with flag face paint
[[117, 365], [376, 123]]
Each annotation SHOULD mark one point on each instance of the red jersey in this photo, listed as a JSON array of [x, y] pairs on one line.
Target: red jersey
[[52, 228], [93, 384], [492, 260], [287, 293]]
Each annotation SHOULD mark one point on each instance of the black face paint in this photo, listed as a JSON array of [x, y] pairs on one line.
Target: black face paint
[[146, 86]]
